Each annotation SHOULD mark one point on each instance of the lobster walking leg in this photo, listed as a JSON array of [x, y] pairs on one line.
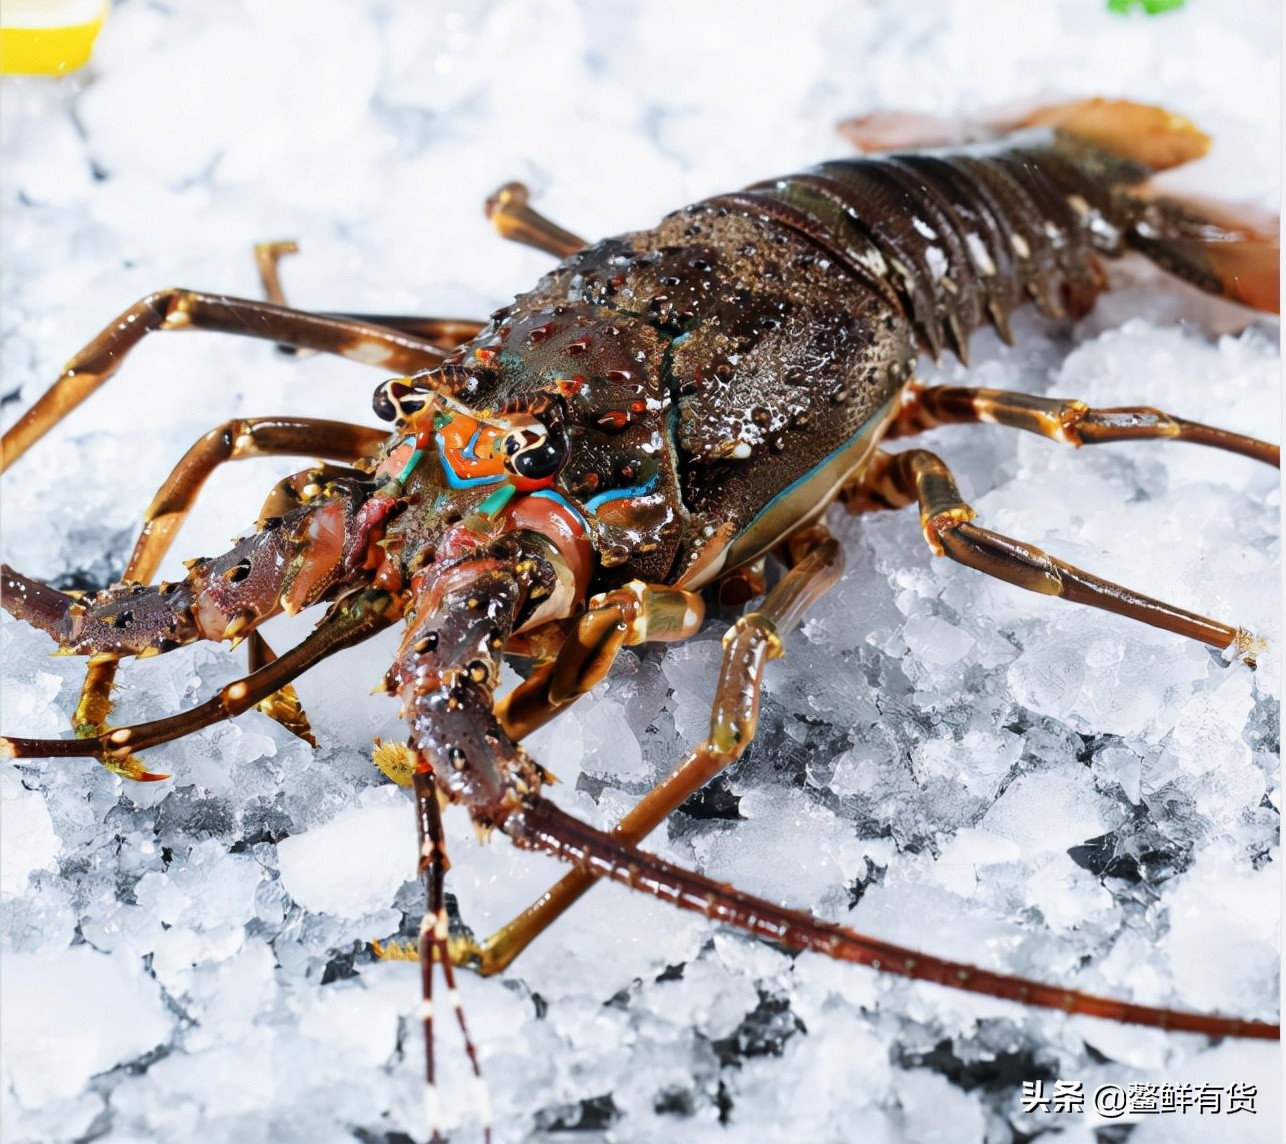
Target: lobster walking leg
[[175, 309], [231, 441], [235, 441], [754, 639], [897, 480], [268, 256], [350, 621], [634, 614], [1071, 422], [281, 706], [513, 217]]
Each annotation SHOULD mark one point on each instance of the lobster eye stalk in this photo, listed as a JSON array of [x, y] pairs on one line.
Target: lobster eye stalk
[[535, 452], [398, 400]]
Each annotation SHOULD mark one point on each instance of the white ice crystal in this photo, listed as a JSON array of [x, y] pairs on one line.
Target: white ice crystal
[[369, 871], [28, 842], [73, 1015]]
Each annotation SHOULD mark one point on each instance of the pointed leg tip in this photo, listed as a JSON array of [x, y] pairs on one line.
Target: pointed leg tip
[[131, 768], [1246, 648], [283, 706]]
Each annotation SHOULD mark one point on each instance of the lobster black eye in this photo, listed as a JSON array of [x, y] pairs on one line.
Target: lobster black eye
[[394, 400], [382, 403], [537, 456]]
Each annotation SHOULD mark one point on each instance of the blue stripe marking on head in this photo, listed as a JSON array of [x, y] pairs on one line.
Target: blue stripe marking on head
[[596, 502], [558, 498]]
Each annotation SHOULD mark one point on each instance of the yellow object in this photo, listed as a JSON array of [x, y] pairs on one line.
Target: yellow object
[[48, 37], [396, 760], [396, 950]]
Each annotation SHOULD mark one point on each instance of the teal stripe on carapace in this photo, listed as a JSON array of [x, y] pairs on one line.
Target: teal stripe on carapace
[[497, 500], [409, 467], [803, 500], [470, 451]]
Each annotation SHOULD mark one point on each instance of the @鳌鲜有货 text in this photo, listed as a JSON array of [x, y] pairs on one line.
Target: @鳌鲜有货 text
[[1114, 1100]]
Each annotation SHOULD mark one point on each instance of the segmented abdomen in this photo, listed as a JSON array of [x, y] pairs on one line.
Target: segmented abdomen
[[956, 238]]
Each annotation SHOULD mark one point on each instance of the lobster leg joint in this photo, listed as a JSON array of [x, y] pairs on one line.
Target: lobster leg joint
[[918, 475]]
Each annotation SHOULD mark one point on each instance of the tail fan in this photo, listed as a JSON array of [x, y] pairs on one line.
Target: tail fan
[[1150, 136], [1228, 249]]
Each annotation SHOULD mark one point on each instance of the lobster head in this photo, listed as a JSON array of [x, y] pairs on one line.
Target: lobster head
[[531, 469], [556, 420]]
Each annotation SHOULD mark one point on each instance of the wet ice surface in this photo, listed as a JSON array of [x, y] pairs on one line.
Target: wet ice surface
[[945, 761]]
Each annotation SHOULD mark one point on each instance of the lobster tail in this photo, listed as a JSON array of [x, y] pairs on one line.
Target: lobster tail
[[1151, 137], [994, 216], [1224, 249], [1221, 248]]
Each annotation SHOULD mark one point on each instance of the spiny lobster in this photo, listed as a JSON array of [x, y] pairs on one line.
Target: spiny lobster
[[662, 413]]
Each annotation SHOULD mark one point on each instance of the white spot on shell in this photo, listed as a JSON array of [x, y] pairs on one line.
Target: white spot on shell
[[924, 228], [978, 252], [937, 261], [873, 261], [1020, 246], [1101, 228]]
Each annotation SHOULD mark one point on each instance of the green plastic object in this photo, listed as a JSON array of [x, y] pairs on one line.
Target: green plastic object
[[1150, 7]]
